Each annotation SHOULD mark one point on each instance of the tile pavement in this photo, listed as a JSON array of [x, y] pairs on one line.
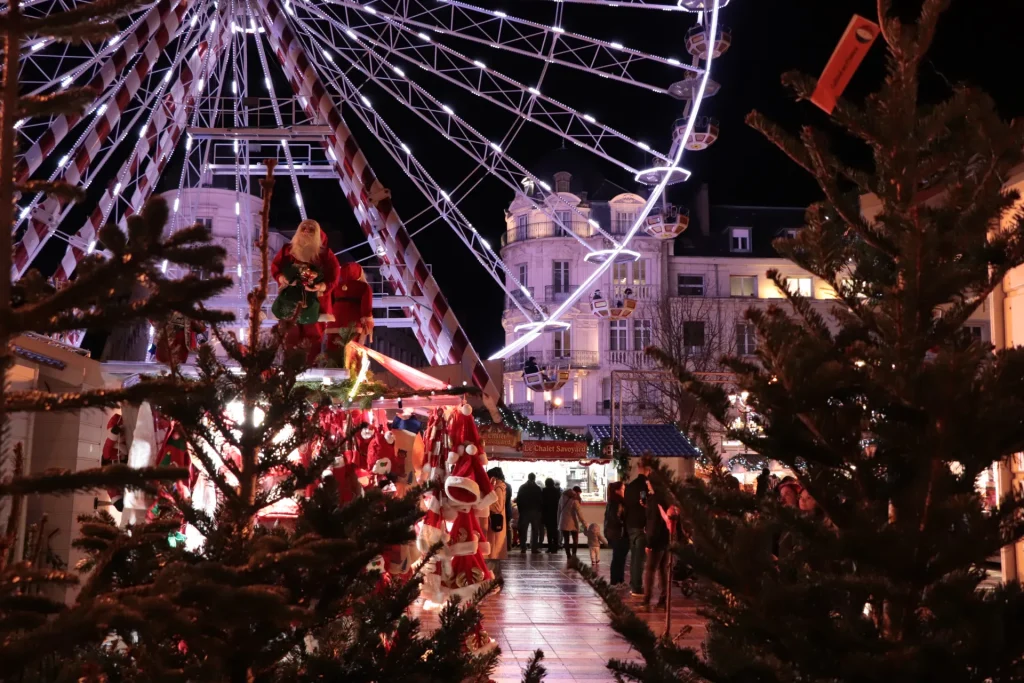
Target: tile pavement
[[545, 606]]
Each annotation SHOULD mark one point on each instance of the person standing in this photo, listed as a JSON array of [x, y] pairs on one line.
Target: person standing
[[529, 500], [549, 506], [764, 482], [615, 532], [570, 519], [497, 522], [659, 534], [636, 523]]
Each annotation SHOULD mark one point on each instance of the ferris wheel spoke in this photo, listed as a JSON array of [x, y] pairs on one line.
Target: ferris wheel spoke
[[472, 75], [656, 194], [498, 30], [444, 120], [166, 127], [440, 200], [663, 5], [87, 157]]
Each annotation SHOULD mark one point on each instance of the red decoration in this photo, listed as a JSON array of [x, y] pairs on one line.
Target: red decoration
[[351, 305], [177, 338], [311, 334]]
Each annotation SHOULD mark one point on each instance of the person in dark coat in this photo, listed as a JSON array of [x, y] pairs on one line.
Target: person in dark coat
[[615, 531], [764, 483], [549, 507], [636, 524], [530, 366], [660, 524], [529, 499]]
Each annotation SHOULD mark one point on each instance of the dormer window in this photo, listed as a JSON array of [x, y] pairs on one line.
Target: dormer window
[[562, 181], [739, 240]]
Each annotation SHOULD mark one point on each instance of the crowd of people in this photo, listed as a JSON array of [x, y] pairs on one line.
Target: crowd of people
[[640, 525]]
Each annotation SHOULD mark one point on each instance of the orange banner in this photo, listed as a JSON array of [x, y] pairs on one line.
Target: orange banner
[[555, 450], [853, 47], [499, 436]]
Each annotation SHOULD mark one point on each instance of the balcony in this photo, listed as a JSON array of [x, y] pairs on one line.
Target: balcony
[[629, 409], [522, 408], [546, 228], [569, 408], [558, 294], [633, 358], [640, 292], [520, 297], [583, 360]]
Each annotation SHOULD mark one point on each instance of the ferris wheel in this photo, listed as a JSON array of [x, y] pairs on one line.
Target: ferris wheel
[[217, 83]]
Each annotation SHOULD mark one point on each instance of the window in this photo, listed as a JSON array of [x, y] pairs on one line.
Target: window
[[565, 218], [742, 285], [739, 239], [562, 343], [642, 334], [620, 273], [617, 335], [560, 276], [562, 181], [693, 334], [801, 286], [690, 285], [745, 342], [977, 332], [524, 272], [624, 220], [640, 272], [522, 221]]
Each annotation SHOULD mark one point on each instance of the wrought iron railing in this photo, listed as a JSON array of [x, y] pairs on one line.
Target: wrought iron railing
[[577, 359], [523, 408], [628, 408], [559, 293], [570, 408], [546, 228]]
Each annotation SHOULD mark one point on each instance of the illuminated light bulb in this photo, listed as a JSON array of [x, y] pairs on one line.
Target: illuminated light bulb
[[267, 81], [92, 248], [399, 71], [445, 195], [351, 34], [282, 143], [533, 91], [113, 41], [63, 161], [66, 81], [447, 110], [365, 101], [163, 266], [99, 112], [167, 76], [370, 10], [495, 147], [177, 203], [545, 186], [589, 119], [330, 153], [236, 146], [499, 13], [479, 64], [238, 209], [238, 269], [298, 200], [524, 290], [328, 56], [617, 46], [195, 20], [406, 148], [673, 62], [36, 47], [424, 36], [486, 244], [24, 213], [188, 144], [21, 122], [234, 87], [643, 145], [117, 189], [142, 131], [558, 29], [200, 84], [213, 25]]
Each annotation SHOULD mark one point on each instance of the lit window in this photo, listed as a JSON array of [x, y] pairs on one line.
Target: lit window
[[624, 220], [690, 285], [640, 272], [746, 344], [562, 343], [617, 335], [801, 285], [742, 285], [620, 273], [739, 239]]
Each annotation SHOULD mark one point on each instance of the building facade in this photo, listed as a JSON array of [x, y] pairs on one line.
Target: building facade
[[692, 293]]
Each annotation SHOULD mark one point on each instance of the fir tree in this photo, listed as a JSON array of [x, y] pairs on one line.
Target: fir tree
[[38, 632], [887, 409], [251, 603]]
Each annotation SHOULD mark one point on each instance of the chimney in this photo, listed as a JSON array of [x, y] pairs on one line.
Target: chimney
[[704, 210]]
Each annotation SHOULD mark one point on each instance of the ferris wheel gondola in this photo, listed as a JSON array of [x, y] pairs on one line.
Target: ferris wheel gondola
[[617, 309], [539, 381], [669, 223]]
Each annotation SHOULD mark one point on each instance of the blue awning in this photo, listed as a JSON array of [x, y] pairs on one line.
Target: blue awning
[[659, 440]]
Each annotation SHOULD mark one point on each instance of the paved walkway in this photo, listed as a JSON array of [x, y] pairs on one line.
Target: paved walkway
[[546, 606]]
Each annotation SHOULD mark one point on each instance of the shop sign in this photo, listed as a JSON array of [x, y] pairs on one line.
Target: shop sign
[[558, 450], [499, 436]]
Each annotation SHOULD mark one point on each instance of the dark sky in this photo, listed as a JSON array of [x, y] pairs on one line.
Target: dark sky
[[976, 43]]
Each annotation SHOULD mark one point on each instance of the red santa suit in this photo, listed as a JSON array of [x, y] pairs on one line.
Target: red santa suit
[[351, 306], [312, 333]]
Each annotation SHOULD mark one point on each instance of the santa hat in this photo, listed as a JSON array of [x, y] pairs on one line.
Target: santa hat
[[465, 537], [468, 484], [462, 430], [381, 457]]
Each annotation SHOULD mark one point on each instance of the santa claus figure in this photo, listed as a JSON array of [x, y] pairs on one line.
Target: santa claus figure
[[352, 308], [307, 272]]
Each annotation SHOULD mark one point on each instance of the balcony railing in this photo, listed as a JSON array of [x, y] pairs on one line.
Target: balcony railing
[[630, 408], [557, 358], [518, 296], [523, 408], [642, 292], [570, 408], [516, 361], [559, 293], [629, 357], [546, 228]]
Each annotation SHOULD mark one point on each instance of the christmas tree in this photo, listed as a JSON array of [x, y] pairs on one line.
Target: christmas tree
[[887, 410], [39, 633], [281, 571]]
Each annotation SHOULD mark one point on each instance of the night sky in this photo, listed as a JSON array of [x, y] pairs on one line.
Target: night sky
[[976, 44]]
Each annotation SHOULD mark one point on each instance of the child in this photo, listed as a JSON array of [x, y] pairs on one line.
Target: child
[[594, 539]]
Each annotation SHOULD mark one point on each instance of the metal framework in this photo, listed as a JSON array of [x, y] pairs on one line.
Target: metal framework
[[201, 81]]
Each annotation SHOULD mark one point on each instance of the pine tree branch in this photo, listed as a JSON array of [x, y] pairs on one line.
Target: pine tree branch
[[163, 389], [63, 482]]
